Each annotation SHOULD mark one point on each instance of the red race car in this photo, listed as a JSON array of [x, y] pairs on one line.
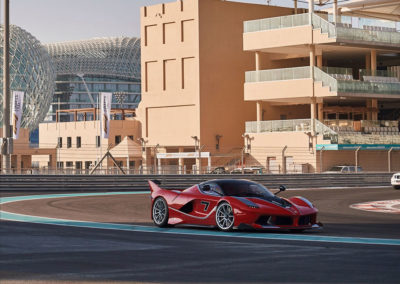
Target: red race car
[[231, 203]]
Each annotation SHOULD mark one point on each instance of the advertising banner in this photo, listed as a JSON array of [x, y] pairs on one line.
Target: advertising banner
[[105, 104], [16, 114]]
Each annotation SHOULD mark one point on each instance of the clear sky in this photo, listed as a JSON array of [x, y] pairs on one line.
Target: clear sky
[[65, 20]]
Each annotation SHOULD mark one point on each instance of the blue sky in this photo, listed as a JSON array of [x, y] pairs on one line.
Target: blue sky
[[64, 20]]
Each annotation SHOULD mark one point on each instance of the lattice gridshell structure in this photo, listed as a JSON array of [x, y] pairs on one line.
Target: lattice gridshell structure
[[31, 71], [119, 57]]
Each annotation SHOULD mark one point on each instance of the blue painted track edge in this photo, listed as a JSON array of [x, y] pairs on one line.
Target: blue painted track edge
[[148, 229]]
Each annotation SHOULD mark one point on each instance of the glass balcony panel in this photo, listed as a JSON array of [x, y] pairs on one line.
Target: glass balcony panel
[[377, 73], [278, 74], [276, 23]]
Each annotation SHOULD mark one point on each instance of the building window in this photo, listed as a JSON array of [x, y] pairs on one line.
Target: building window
[[98, 141], [88, 164], [130, 137], [69, 142], [78, 142], [69, 164], [131, 164], [78, 165], [60, 165], [117, 139], [59, 142]]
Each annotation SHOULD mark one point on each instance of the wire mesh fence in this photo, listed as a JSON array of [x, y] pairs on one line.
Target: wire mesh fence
[[224, 160]]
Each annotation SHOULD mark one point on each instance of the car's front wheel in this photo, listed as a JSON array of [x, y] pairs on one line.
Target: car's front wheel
[[224, 217], [160, 212]]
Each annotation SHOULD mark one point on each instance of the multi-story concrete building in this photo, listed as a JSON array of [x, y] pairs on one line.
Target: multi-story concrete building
[[193, 68], [79, 146], [320, 83], [326, 82]]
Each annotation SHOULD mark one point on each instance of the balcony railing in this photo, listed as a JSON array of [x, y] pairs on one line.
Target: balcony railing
[[278, 74], [342, 135], [293, 125], [368, 30], [276, 23], [335, 83]]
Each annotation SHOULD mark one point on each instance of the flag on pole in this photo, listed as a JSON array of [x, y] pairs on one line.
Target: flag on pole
[[17, 106], [105, 104]]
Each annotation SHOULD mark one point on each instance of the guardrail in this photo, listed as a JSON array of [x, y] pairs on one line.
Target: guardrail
[[38, 183]]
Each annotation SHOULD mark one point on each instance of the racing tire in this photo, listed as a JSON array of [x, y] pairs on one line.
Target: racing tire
[[160, 212], [224, 217], [296, 230], [396, 186]]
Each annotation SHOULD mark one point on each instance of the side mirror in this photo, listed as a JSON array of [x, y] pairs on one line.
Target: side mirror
[[281, 188], [206, 187]]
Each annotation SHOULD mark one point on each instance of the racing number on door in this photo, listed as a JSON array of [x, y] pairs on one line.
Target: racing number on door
[[206, 204]]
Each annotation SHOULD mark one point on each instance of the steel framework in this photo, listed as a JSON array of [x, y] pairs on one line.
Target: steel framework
[[119, 57], [31, 71]]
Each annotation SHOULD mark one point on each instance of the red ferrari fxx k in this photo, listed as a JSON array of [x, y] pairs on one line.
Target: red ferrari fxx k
[[231, 203]]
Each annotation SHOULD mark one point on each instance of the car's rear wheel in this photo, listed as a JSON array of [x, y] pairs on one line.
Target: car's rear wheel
[[224, 217], [396, 186], [160, 212]]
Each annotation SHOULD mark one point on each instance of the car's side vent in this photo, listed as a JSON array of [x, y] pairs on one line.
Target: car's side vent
[[187, 208]]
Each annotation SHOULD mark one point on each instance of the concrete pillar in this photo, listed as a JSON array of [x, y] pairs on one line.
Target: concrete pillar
[[310, 10], [335, 11], [368, 61], [312, 60], [374, 104], [295, 6], [373, 59], [258, 60], [259, 115], [258, 64], [181, 161], [313, 114], [321, 111], [319, 61]]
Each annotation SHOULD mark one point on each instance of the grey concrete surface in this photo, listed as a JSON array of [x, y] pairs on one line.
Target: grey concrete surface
[[44, 253]]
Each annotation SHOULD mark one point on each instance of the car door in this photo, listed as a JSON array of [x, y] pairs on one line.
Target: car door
[[205, 204]]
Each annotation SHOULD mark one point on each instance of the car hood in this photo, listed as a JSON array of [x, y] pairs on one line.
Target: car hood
[[275, 203], [275, 200]]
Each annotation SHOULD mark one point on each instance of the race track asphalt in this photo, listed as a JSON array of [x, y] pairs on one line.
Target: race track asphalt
[[57, 253]]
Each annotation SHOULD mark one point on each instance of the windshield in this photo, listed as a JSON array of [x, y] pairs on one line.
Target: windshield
[[243, 188], [336, 169]]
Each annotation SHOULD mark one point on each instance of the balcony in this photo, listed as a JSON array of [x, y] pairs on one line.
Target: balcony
[[292, 125], [297, 30], [366, 132], [298, 82]]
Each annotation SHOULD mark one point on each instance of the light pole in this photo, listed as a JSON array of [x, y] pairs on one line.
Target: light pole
[[155, 158], [6, 88], [197, 146]]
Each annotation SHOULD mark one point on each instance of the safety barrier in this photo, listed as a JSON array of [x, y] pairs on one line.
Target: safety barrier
[[37, 183]]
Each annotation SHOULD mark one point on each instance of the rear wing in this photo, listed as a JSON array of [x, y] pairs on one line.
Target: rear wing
[[154, 185]]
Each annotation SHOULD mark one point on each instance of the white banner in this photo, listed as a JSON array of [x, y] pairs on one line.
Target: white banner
[[16, 114], [180, 155], [105, 104]]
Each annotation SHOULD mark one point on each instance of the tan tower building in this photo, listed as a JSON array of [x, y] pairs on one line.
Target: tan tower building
[[193, 68]]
